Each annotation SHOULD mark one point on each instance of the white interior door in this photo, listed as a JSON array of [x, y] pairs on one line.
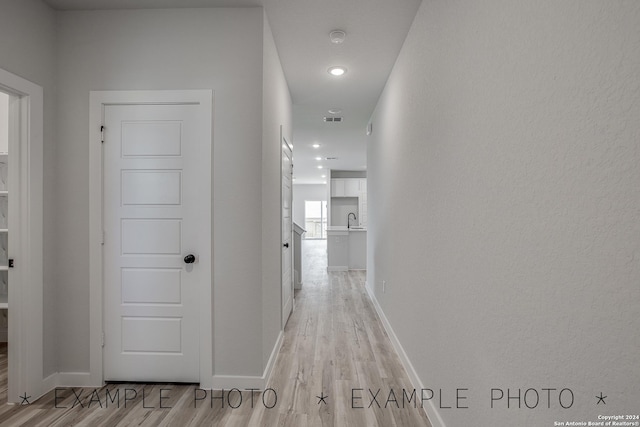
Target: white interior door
[[287, 230], [156, 208]]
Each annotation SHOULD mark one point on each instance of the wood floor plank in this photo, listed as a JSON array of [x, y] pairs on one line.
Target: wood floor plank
[[334, 348]]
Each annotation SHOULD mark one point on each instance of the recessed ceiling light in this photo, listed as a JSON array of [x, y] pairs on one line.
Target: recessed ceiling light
[[335, 111], [318, 158], [337, 36], [337, 71], [324, 182], [316, 145], [323, 176], [320, 167]]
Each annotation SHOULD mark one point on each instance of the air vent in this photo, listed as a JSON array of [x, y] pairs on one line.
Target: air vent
[[333, 119], [331, 158]]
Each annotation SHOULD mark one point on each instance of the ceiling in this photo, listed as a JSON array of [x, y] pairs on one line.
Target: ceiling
[[375, 32]]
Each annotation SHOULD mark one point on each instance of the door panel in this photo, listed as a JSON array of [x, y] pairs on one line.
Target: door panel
[[156, 204], [151, 187], [151, 139], [146, 334], [151, 285], [151, 237]]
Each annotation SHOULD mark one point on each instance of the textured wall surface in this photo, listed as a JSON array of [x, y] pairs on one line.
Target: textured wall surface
[[276, 115], [509, 134]]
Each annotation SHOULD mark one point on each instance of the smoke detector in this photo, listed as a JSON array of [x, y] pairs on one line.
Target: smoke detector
[[337, 36]]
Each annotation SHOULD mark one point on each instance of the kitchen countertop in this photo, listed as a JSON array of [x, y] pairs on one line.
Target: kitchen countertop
[[344, 228]]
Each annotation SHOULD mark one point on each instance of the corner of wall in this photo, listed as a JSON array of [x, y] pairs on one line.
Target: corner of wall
[[276, 124]]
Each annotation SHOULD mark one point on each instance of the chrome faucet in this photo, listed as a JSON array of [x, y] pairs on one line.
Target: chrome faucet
[[349, 219]]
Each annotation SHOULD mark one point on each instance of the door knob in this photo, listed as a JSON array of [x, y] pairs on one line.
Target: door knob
[[286, 245], [190, 259]]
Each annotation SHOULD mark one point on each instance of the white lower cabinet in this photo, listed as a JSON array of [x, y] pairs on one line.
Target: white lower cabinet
[[346, 249], [337, 250], [357, 250]]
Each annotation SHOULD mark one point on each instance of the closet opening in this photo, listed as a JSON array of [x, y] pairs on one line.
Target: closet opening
[[21, 240]]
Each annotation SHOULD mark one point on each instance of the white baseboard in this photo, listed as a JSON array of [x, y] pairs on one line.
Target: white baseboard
[[297, 282], [430, 408], [228, 382], [50, 382], [268, 370], [69, 379], [338, 268]]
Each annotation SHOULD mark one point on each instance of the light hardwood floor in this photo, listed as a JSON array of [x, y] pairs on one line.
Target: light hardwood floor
[[334, 346]]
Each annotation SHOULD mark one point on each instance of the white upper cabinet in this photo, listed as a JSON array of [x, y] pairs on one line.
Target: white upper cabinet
[[348, 187], [351, 187], [338, 187]]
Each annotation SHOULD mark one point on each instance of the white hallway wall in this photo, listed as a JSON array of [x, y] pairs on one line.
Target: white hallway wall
[[277, 111], [221, 49], [509, 134], [27, 49]]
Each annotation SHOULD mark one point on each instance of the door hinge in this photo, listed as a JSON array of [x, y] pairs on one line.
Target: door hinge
[[102, 133], [102, 340]]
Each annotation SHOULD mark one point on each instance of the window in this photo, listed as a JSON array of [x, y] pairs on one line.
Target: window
[[315, 221]]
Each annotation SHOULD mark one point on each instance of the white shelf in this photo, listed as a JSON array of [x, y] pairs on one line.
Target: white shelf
[[4, 268], [4, 192], [4, 230]]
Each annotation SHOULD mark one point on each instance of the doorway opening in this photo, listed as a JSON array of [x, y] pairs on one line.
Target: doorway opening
[[21, 236], [315, 220]]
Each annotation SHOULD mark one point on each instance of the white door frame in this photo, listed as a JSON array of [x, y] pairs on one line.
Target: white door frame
[[25, 330], [284, 320], [98, 99]]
